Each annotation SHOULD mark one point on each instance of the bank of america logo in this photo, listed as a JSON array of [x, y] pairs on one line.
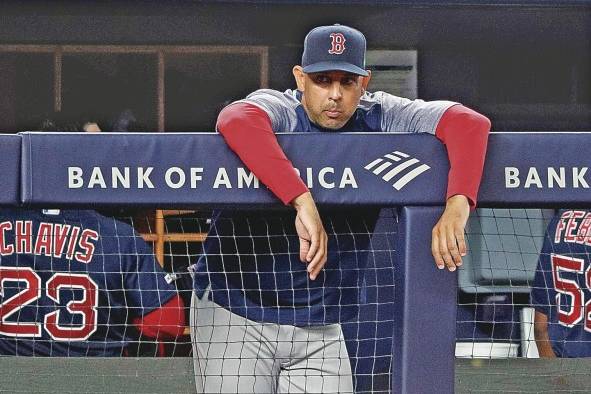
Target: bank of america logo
[[397, 167]]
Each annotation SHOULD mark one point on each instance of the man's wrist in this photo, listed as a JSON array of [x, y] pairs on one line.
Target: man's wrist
[[458, 198], [301, 200]]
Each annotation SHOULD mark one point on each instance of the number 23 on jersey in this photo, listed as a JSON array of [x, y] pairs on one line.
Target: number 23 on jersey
[[86, 307]]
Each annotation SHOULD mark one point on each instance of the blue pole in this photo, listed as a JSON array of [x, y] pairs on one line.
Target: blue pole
[[425, 325]]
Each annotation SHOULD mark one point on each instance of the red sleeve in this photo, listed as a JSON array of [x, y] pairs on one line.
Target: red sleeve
[[465, 134], [166, 322], [247, 131]]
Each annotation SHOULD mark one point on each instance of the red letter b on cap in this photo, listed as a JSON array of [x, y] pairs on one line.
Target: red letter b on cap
[[337, 44]]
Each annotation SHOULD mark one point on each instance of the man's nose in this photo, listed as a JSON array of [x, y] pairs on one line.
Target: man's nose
[[335, 91]]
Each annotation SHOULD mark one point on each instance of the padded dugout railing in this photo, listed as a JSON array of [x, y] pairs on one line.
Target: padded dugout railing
[[192, 170]]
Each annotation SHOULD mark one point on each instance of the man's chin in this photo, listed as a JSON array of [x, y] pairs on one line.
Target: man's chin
[[332, 124]]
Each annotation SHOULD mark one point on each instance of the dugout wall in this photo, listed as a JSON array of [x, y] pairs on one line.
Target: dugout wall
[[197, 170], [489, 55]]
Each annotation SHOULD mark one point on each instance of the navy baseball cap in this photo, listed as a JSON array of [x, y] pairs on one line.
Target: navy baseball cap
[[335, 47]]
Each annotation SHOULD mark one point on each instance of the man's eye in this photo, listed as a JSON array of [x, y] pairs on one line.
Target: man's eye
[[348, 81], [322, 79]]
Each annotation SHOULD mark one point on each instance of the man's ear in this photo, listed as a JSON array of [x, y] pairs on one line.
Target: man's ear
[[300, 76], [365, 80]]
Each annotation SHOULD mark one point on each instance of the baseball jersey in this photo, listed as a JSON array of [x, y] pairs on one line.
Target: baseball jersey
[[71, 281], [562, 285], [251, 259]]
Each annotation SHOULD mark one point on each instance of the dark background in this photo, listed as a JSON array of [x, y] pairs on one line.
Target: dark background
[[525, 64]]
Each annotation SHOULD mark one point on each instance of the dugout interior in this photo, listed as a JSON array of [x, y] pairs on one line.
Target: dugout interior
[[490, 57]]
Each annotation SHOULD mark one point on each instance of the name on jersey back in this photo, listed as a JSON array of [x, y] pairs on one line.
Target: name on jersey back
[[48, 239], [574, 227]]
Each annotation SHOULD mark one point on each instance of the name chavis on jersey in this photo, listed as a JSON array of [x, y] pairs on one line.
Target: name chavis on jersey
[[49, 239]]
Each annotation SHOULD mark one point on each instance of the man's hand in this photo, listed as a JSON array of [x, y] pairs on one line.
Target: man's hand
[[448, 244], [313, 238]]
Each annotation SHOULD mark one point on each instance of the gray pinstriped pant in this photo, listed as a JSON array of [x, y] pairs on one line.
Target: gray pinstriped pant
[[235, 355]]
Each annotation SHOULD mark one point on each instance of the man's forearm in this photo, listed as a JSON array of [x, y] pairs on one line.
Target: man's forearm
[[465, 135], [247, 131], [541, 335]]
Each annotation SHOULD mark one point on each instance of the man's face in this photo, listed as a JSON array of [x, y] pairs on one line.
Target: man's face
[[330, 98]]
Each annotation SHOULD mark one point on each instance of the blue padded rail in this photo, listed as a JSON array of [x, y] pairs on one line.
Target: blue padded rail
[[190, 169], [10, 155]]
